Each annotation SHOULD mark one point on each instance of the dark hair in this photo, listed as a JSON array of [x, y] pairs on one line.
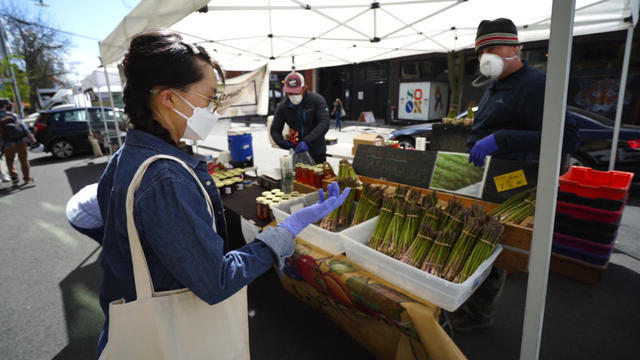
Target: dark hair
[[159, 58]]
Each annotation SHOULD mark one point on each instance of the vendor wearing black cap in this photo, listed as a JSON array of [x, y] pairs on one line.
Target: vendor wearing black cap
[[509, 116], [305, 112], [507, 125]]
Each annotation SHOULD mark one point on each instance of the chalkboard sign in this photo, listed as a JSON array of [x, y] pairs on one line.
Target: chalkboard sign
[[408, 167], [506, 178]]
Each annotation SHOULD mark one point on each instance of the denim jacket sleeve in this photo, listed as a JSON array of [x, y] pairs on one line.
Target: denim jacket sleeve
[[172, 217]]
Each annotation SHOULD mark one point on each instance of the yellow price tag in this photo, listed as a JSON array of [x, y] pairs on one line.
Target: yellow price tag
[[512, 180]]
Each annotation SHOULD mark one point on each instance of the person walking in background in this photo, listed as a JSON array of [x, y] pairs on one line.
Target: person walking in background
[[338, 111], [15, 136]]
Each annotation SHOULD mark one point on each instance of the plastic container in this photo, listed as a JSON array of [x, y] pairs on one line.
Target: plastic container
[[240, 147], [438, 291], [588, 213], [328, 241], [600, 203], [591, 183], [583, 245], [581, 255], [602, 233]]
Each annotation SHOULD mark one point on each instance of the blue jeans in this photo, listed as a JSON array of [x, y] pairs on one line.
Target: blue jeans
[[338, 121], [96, 234]]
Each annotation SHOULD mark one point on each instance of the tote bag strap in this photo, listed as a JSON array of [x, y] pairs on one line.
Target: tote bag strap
[[142, 277]]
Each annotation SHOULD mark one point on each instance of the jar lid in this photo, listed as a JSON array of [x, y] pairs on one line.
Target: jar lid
[[261, 198], [265, 193], [273, 191]]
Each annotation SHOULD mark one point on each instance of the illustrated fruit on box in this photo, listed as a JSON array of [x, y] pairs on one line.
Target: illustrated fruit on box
[[310, 272], [337, 289]]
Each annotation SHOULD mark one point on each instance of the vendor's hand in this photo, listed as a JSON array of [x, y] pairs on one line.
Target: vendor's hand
[[301, 219], [302, 147], [483, 147], [288, 145]]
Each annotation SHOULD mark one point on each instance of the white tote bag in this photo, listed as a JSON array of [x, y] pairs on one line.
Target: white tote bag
[[173, 324]]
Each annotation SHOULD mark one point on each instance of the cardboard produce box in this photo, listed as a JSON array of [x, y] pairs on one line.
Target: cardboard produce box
[[366, 139]]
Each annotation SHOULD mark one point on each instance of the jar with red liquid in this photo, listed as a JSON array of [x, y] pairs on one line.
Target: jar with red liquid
[[318, 175], [299, 171]]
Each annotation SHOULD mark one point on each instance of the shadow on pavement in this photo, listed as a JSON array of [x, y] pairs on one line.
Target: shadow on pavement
[[582, 321], [84, 319], [46, 160], [82, 176]]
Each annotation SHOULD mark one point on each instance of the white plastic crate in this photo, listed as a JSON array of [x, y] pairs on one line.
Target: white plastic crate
[[328, 241], [438, 291]]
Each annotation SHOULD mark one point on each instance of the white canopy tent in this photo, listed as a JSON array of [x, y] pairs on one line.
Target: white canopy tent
[[328, 33]]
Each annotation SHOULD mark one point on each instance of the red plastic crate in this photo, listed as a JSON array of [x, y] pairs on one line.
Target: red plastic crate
[[589, 213], [591, 183]]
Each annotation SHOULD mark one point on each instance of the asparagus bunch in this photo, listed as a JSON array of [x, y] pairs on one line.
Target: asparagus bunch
[[400, 193], [369, 203], [420, 246], [462, 247], [409, 230], [430, 200], [452, 219], [517, 208], [413, 196], [439, 252], [345, 170], [432, 216], [345, 209], [386, 213], [490, 235], [392, 236]]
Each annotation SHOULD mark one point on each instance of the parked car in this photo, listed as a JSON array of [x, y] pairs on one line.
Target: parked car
[[30, 121], [596, 133], [64, 131]]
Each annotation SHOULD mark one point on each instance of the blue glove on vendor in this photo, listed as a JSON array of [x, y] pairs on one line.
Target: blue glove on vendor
[[483, 147], [288, 145], [301, 219], [302, 147]]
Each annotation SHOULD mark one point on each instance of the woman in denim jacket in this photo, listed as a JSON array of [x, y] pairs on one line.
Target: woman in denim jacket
[[171, 93]]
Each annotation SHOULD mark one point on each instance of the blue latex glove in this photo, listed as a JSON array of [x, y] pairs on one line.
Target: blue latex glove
[[299, 220], [288, 145], [302, 147], [483, 147]]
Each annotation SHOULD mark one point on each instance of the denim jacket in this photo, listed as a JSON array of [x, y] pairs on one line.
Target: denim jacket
[[180, 245]]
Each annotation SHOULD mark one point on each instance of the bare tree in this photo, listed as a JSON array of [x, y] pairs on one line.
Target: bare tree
[[40, 47]]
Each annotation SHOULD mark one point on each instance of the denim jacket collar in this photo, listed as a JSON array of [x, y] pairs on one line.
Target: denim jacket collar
[[144, 139]]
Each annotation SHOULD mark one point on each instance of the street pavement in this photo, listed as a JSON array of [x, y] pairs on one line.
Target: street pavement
[[50, 276]]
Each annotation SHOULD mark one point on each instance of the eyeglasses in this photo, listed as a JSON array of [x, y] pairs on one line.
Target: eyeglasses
[[214, 102]]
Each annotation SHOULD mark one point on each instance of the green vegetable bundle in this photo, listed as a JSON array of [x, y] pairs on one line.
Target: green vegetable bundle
[[413, 196], [452, 219], [400, 193], [432, 215], [369, 203], [345, 209], [439, 252], [420, 246], [430, 200], [490, 235], [517, 208], [462, 247], [391, 239], [409, 229], [386, 213]]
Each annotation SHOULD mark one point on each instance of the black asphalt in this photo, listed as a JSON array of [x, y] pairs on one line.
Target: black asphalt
[[50, 277]]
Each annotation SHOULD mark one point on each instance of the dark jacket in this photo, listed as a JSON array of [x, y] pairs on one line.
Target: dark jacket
[[310, 118], [511, 109]]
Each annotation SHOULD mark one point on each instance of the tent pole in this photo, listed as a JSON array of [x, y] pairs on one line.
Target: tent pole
[[113, 107], [555, 103], [107, 139], [621, 91]]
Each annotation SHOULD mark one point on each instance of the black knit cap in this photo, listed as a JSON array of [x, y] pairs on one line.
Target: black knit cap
[[496, 32]]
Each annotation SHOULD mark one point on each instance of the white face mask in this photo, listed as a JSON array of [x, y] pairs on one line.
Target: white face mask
[[295, 99], [492, 65], [200, 123]]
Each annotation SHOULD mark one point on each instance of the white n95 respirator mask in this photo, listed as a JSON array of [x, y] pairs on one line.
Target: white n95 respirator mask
[[200, 123], [492, 65], [295, 99]]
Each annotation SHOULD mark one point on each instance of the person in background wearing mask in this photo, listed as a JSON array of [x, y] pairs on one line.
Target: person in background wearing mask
[[305, 112], [172, 93], [507, 125]]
